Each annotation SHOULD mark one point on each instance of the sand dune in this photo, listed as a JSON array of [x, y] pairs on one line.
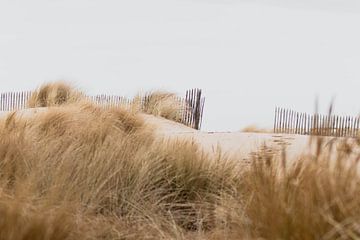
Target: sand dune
[[231, 143]]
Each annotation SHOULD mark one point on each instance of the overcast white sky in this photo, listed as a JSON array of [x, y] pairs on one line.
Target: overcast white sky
[[247, 55]]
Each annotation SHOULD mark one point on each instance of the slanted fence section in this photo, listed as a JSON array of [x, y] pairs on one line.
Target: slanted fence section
[[291, 122], [191, 107]]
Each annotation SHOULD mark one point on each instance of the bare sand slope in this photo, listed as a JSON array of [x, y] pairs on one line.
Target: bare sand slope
[[232, 143], [242, 145]]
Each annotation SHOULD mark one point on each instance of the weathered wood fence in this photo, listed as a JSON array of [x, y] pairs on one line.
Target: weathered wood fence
[[191, 106], [291, 122], [14, 100]]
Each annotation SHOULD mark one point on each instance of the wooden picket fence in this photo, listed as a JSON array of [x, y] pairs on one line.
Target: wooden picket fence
[[291, 122], [191, 106]]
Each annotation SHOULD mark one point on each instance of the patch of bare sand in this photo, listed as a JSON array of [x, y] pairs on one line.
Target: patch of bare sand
[[231, 143], [243, 145]]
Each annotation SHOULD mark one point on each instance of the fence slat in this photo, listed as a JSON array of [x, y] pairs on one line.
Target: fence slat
[[275, 120]]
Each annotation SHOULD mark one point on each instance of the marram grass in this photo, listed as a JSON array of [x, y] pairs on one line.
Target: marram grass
[[79, 171]]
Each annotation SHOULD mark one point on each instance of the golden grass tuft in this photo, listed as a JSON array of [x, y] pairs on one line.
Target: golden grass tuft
[[255, 129], [54, 94], [17, 222], [160, 103]]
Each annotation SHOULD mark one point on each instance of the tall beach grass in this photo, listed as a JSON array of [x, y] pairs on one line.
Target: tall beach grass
[[79, 171]]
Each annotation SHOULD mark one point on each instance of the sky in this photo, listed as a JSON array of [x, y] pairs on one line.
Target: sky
[[248, 56]]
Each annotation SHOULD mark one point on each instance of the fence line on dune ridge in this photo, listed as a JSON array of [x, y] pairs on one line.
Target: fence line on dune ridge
[[191, 106], [292, 122]]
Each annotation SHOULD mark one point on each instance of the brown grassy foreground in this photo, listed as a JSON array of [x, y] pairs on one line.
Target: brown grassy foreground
[[78, 171]]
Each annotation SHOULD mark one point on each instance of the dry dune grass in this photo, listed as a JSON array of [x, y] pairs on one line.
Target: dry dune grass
[[54, 94], [157, 103], [317, 198], [255, 129], [106, 164], [160, 103], [19, 221], [79, 171]]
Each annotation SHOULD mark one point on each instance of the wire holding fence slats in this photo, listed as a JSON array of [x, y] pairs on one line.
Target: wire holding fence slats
[[191, 112], [290, 122]]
